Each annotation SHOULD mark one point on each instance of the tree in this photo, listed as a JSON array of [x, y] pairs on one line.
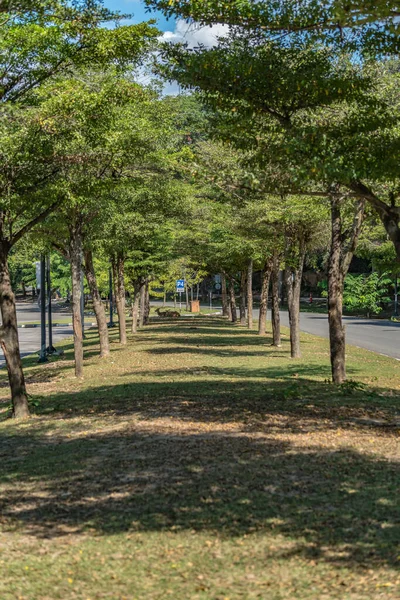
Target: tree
[[369, 24], [308, 83], [39, 40], [317, 120], [33, 156], [117, 135], [366, 293]]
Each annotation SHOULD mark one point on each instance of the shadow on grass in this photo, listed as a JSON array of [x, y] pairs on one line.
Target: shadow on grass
[[221, 396], [339, 506], [194, 471]]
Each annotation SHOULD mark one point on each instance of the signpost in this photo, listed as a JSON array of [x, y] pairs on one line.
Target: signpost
[[180, 288]]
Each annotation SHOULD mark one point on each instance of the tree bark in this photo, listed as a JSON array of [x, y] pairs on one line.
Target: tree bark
[[224, 295], [293, 277], [9, 339], [142, 309], [335, 296], [75, 253], [120, 295], [294, 316], [266, 276], [98, 305], [243, 293], [137, 288], [250, 294], [187, 297], [147, 304], [389, 213], [275, 309], [232, 301], [341, 254], [135, 312]]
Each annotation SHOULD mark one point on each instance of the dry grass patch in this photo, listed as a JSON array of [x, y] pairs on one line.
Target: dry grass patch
[[199, 462]]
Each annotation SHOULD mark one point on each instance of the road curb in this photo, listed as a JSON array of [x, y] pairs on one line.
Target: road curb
[[36, 325]]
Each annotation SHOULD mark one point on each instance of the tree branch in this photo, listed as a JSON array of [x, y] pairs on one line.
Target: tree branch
[[363, 191], [38, 219], [348, 251], [62, 250]]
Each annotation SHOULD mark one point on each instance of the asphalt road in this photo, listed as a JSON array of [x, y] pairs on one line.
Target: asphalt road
[[377, 335], [29, 338]]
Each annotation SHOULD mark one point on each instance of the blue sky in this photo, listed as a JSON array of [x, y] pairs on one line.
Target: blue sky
[[137, 8]]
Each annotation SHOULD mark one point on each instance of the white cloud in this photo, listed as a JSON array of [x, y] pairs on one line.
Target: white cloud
[[194, 34]]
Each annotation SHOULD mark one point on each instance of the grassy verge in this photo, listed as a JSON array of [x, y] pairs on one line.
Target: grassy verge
[[200, 463]]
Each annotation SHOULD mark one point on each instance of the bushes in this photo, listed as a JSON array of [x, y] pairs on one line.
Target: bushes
[[366, 293]]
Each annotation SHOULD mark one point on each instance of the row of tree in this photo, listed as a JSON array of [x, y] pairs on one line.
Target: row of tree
[[308, 92], [288, 134]]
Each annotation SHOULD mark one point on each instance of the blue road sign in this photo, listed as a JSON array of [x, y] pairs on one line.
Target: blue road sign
[[180, 285]]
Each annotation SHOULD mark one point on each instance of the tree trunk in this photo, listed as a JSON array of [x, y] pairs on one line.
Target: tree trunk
[[294, 317], [75, 253], [120, 296], [9, 340], [142, 310], [293, 287], [147, 304], [232, 300], [275, 314], [243, 293], [187, 297], [98, 305], [266, 276], [250, 294], [335, 297], [137, 287], [389, 213], [229, 309], [391, 222], [224, 295], [23, 289]]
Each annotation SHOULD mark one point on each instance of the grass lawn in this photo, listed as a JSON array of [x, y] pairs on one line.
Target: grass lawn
[[200, 463]]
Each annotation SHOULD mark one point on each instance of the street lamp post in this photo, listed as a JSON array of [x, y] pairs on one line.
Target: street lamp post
[[42, 356], [50, 348]]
